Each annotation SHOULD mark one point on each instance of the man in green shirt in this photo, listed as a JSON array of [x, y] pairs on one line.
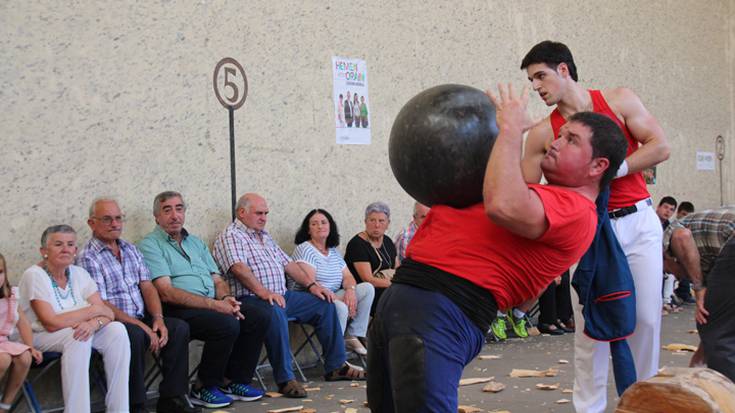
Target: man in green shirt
[[187, 279]]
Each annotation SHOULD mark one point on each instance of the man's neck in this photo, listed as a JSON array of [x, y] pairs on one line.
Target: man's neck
[[588, 191], [577, 99], [109, 243]]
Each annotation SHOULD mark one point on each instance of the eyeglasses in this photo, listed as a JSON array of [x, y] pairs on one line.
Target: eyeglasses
[[107, 220]]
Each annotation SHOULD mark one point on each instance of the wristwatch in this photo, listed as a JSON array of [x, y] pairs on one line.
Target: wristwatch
[[351, 287], [100, 324]]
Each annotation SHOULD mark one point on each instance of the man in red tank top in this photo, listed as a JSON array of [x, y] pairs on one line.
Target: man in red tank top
[[553, 74]]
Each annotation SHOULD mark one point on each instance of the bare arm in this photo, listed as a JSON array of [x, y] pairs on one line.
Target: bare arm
[[176, 296], [687, 254], [52, 321], [508, 200], [536, 143], [643, 126], [300, 276], [151, 298], [221, 288], [365, 272]]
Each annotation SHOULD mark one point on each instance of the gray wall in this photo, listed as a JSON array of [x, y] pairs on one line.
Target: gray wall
[[116, 98]]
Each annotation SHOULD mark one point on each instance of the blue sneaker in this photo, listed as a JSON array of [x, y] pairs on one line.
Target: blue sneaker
[[209, 397], [244, 392]]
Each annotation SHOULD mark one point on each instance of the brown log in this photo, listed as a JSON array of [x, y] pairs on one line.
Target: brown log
[[679, 389]]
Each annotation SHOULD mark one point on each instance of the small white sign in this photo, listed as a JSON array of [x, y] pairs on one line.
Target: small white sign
[[705, 161]]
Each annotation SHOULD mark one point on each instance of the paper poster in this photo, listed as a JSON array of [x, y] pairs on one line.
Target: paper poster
[[351, 103], [705, 161]]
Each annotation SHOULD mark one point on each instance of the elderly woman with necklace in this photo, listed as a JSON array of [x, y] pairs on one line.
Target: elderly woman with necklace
[[67, 315], [316, 253], [371, 255]]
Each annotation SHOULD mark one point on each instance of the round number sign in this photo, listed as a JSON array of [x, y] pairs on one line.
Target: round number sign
[[230, 83]]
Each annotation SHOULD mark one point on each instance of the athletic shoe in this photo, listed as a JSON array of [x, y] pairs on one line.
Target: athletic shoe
[[209, 397], [498, 328], [518, 324], [244, 392]]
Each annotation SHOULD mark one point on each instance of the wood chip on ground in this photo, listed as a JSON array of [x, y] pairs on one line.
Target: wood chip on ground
[[551, 372], [286, 409], [475, 380], [488, 357], [544, 386], [562, 401], [273, 394], [468, 409], [493, 387], [679, 347]]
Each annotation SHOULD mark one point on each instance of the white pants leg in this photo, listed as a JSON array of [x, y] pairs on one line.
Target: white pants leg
[[343, 313], [112, 342], [365, 294], [668, 288], [74, 366], [640, 236]]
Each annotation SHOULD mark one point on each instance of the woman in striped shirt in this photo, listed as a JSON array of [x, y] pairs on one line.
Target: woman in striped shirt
[[317, 254]]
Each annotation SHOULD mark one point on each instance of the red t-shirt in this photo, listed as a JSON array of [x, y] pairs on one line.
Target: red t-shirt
[[467, 243], [624, 191]]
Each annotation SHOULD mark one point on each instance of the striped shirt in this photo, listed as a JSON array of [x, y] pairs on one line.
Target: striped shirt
[[117, 281], [711, 230], [256, 249], [328, 269]]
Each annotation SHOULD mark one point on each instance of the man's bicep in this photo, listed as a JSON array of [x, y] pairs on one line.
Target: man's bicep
[[641, 124], [528, 221]]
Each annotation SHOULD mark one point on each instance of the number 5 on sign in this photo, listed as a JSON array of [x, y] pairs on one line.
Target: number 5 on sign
[[230, 83]]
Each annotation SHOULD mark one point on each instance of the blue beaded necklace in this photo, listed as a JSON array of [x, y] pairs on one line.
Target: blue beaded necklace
[[58, 294]]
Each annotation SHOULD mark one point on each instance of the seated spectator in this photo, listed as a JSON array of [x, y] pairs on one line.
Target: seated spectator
[[125, 287], [255, 267], [317, 242], [683, 291], [370, 255], [555, 308], [665, 210], [192, 290], [15, 358], [685, 209], [404, 237], [67, 315], [702, 245]]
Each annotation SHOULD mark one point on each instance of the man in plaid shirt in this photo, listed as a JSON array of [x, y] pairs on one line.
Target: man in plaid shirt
[[255, 267], [702, 246], [125, 286], [404, 237]]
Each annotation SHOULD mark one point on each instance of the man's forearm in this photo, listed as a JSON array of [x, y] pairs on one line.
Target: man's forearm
[[245, 276], [151, 299], [504, 183], [183, 298], [221, 289]]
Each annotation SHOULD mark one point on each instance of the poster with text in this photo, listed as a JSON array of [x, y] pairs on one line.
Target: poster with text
[[351, 103]]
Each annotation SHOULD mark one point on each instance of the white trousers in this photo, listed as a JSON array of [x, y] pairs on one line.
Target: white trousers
[[365, 293], [112, 342], [640, 236], [668, 287]]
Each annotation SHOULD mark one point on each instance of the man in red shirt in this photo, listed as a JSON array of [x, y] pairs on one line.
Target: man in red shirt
[[553, 74], [464, 264]]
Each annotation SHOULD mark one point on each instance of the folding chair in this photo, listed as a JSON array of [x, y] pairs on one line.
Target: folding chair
[[296, 365], [50, 359]]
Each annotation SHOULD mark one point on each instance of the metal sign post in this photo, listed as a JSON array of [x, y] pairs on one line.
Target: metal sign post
[[229, 74], [720, 151]]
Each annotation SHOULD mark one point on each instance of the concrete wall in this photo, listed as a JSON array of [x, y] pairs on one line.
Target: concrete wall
[[116, 98]]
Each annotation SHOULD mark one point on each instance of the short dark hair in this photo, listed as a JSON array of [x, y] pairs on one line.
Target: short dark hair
[[668, 200], [551, 54], [607, 141], [163, 197], [303, 233], [686, 206]]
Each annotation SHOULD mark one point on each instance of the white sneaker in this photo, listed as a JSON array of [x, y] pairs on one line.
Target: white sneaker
[[354, 345]]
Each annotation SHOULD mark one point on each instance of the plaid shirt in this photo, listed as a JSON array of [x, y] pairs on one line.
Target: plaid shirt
[[117, 281], [711, 230], [403, 238], [256, 249]]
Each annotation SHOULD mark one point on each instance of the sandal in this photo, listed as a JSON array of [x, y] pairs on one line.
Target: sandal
[[292, 389], [346, 372]]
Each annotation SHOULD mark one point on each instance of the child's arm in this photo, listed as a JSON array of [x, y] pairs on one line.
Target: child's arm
[[26, 334]]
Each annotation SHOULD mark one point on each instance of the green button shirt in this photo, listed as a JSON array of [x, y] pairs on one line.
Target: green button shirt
[[190, 265]]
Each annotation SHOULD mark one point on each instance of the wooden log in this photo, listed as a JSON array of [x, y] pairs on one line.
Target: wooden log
[[679, 389]]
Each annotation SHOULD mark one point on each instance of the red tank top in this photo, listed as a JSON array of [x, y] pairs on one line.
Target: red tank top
[[624, 191]]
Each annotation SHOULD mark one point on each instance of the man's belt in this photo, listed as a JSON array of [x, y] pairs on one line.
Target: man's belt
[[621, 212]]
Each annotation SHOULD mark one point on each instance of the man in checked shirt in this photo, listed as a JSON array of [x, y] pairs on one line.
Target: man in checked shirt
[[255, 267]]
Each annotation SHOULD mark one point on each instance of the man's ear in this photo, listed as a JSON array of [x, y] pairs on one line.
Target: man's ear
[[599, 166], [563, 69]]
